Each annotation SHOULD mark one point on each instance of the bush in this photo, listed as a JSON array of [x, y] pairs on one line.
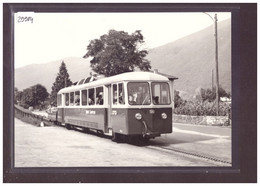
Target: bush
[[33, 96], [202, 108], [210, 95], [203, 104]]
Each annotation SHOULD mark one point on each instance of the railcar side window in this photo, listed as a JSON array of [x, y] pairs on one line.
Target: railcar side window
[[115, 97], [138, 93], [77, 98], [67, 99], [121, 94], [59, 100], [91, 96], [161, 94], [84, 97], [72, 98], [99, 96]]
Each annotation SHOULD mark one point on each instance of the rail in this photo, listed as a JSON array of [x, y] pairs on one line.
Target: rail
[[216, 160], [30, 117]]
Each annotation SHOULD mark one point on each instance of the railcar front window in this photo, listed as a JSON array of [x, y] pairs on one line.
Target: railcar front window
[[138, 93], [161, 94]]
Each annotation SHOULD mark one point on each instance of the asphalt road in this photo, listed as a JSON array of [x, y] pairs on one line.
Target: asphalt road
[[213, 141], [59, 147]]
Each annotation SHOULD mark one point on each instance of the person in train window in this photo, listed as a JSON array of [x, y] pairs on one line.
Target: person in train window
[[131, 100], [115, 98], [121, 98], [90, 101], [135, 97], [156, 100], [77, 100], [100, 99]]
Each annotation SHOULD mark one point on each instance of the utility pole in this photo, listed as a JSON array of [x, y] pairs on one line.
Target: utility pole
[[35, 96], [212, 80], [216, 60]]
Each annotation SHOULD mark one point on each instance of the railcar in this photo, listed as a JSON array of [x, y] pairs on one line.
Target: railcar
[[133, 104]]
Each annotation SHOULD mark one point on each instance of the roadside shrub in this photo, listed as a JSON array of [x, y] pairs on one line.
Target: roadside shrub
[[202, 108], [203, 103]]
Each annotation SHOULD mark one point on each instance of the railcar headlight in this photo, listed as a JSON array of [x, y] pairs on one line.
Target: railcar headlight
[[138, 116], [164, 116]]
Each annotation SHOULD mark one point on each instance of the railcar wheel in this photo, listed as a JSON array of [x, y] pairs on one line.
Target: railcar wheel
[[57, 123], [86, 130], [100, 133], [114, 136], [145, 140], [118, 137], [132, 139], [138, 140], [68, 126]]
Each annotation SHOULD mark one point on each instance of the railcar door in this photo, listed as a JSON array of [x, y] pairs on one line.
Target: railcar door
[[109, 109], [62, 115]]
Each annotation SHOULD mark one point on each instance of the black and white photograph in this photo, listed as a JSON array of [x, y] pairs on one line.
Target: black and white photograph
[[120, 89], [118, 76]]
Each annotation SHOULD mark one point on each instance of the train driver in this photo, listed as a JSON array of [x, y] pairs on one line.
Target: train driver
[[131, 100]]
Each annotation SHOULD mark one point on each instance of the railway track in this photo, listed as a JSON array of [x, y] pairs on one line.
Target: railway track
[[191, 154], [195, 155], [214, 160]]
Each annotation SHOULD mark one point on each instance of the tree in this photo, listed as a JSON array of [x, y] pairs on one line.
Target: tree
[[177, 99], [117, 52], [40, 94], [27, 98], [34, 96], [17, 95], [210, 95], [62, 80]]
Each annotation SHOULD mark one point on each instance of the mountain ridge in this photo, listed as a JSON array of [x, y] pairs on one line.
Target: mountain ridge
[[191, 59]]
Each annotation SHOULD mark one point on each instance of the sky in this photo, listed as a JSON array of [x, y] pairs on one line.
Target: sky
[[54, 36]]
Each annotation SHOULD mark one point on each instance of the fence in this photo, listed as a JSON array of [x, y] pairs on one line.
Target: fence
[[202, 120], [29, 117]]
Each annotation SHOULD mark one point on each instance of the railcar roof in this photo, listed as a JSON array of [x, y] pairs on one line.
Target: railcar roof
[[128, 76]]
